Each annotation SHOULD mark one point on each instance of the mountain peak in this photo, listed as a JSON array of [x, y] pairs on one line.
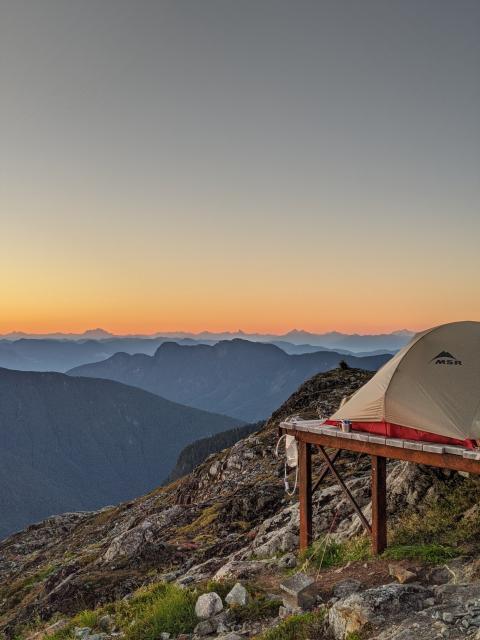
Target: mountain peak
[[97, 334]]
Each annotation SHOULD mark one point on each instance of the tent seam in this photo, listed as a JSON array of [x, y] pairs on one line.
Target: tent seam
[[410, 345]]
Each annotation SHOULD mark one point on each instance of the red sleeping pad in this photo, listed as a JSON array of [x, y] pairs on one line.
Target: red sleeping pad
[[391, 430]]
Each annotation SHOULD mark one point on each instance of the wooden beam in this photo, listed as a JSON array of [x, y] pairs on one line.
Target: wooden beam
[[379, 504], [442, 460], [305, 493], [325, 470], [345, 490]]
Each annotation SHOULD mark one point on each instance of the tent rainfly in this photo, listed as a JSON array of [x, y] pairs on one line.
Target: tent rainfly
[[430, 390]]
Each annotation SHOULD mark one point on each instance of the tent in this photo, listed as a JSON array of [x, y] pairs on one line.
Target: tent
[[430, 390]]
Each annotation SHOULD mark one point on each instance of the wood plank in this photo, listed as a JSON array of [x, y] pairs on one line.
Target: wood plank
[[379, 504], [445, 460], [305, 492]]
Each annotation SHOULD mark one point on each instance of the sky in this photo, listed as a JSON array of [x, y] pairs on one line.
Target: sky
[[225, 164]]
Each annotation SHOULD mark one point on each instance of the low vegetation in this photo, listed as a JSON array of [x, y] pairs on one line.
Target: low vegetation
[[163, 607], [428, 553], [306, 626], [448, 522], [325, 553]]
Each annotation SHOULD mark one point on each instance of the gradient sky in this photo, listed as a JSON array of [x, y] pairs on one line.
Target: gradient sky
[[216, 164]]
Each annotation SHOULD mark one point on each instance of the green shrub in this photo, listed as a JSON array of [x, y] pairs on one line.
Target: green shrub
[[306, 626]]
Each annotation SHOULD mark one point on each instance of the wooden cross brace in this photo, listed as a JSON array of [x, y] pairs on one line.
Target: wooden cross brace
[[377, 530]]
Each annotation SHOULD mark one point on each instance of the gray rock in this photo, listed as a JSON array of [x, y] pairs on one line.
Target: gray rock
[[81, 632], [239, 569], [230, 636], [288, 561], [402, 574], [238, 596], [208, 605], [299, 591], [106, 623], [351, 614], [205, 628], [346, 588]]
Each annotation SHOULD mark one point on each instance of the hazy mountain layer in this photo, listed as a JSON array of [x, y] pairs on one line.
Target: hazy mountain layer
[[330, 340], [74, 444], [244, 379]]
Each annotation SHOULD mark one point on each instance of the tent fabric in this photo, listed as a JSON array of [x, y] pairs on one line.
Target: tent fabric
[[432, 385]]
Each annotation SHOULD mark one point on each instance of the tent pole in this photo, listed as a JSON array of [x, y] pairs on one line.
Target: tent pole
[[379, 504], [305, 492]]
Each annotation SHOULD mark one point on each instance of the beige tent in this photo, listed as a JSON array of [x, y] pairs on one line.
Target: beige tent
[[432, 385]]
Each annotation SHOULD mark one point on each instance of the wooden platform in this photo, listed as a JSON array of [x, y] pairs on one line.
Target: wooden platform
[[309, 433]]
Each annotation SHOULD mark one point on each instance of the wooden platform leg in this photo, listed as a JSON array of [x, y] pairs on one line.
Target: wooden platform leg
[[305, 492], [379, 504]]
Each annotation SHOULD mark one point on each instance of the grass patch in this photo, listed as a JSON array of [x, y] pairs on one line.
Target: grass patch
[[171, 610], [442, 521], [324, 554], [429, 553], [204, 520], [86, 618], [152, 609], [306, 626]]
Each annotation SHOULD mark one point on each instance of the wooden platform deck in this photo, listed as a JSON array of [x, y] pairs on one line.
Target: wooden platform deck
[[310, 433]]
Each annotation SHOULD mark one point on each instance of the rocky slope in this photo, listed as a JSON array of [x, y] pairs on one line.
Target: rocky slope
[[228, 519], [196, 452]]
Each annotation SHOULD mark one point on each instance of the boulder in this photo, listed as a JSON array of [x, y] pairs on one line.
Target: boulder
[[346, 587], [205, 628], [351, 614], [238, 596], [208, 605], [299, 591], [402, 574]]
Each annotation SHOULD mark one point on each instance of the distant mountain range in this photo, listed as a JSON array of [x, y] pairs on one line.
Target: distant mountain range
[[331, 340], [72, 444], [239, 378], [61, 352]]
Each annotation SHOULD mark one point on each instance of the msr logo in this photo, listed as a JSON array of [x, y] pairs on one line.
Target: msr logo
[[444, 357]]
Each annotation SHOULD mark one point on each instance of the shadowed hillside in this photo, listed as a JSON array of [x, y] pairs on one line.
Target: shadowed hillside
[[70, 444]]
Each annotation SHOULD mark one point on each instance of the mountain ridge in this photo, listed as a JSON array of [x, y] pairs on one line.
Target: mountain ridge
[[238, 377]]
